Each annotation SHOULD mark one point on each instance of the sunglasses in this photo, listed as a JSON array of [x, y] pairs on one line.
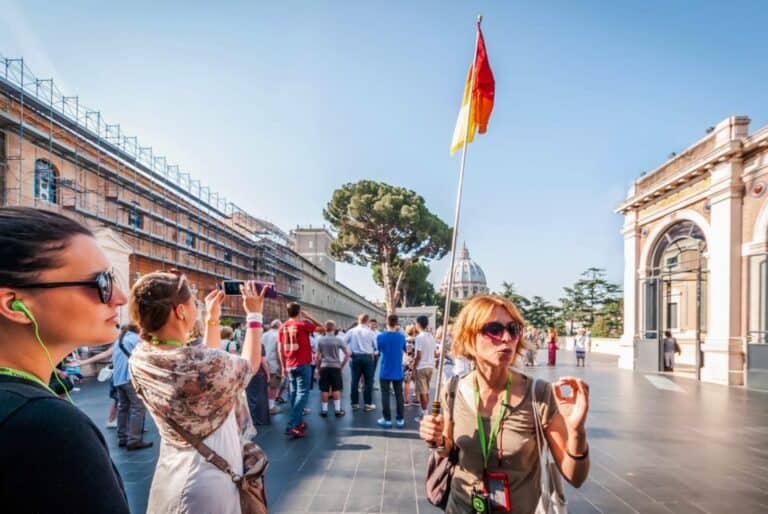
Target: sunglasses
[[104, 283], [495, 329]]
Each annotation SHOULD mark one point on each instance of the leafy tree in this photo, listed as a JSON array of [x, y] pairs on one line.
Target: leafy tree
[[415, 288], [589, 296], [509, 292], [440, 302], [377, 223], [541, 313]]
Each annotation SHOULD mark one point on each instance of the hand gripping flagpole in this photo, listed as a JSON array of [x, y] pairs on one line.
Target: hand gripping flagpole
[[457, 216]]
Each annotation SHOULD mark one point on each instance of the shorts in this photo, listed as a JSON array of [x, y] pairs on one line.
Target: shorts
[[275, 380], [330, 378], [423, 378], [580, 354]]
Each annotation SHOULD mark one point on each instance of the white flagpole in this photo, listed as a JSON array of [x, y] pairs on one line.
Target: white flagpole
[[456, 218]]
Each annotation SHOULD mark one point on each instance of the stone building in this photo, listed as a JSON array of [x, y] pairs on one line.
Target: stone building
[[468, 278], [695, 248]]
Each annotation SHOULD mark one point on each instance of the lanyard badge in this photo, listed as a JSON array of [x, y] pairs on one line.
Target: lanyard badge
[[496, 484]]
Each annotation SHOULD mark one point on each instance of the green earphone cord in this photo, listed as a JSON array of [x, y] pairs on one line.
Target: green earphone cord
[[47, 354]]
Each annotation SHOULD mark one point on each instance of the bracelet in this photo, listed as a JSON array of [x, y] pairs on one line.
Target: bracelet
[[212, 322], [255, 316], [579, 457], [255, 324]]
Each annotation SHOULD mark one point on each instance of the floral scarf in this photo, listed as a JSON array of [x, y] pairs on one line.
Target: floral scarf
[[196, 386]]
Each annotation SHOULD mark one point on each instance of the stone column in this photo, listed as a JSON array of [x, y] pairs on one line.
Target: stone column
[[723, 348], [631, 315]]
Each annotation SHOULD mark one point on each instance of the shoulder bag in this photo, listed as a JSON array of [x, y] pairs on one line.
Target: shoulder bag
[[440, 469], [552, 499]]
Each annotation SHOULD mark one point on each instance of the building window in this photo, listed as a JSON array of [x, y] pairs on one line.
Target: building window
[[228, 255], [190, 240], [672, 316], [135, 218], [672, 262], [45, 181]]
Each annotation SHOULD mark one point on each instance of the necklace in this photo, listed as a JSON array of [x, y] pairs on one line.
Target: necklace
[[11, 372], [170, 342]]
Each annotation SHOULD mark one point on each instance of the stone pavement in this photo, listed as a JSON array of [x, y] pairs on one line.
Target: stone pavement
[[659, 444]]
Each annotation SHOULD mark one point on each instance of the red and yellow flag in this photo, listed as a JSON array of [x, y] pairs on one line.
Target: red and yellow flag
[[477, 104]]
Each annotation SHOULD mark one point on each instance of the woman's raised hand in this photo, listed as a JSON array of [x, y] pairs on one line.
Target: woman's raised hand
[[573, 407], [431, 429], [213, 304], [253, 302]]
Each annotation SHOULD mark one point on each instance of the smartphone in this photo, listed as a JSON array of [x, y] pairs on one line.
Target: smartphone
[[232, 287]]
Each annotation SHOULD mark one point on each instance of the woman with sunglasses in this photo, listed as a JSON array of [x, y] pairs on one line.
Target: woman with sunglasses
[[193, 392], [56, 293], [493, 425]]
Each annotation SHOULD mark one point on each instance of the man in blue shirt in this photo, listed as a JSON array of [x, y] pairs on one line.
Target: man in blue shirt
[[391, 346], [130, 408]]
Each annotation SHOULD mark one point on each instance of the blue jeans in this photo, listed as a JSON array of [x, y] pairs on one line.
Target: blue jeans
[[362, 364], [299, 381]]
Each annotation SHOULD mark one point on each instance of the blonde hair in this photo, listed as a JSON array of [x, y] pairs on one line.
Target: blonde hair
[[410, 330], [472, 318]]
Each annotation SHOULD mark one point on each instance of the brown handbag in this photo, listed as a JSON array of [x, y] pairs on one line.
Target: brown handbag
[[440, 469], [253, 493]]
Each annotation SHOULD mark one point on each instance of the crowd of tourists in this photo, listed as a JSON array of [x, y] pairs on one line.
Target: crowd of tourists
[[206, 386]]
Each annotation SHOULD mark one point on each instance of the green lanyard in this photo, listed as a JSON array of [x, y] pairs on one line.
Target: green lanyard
[[486, 447], [10, 372], [170, 342]]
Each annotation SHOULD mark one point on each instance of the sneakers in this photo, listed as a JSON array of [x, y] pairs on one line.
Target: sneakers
[[340, 413], [418, 418], [400, 423], [323, 413], [138, 446], [385, 423], [295, 433], [369, 407], [305, 412], [355, 406], [111, 424], [275, 410]]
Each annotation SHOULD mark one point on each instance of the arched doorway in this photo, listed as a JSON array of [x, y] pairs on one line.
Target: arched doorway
[[675, 298]]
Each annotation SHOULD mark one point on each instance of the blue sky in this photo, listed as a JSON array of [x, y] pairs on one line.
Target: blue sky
[[275, 104]]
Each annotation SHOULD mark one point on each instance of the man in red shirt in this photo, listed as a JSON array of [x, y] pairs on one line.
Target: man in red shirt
[[296, 361]]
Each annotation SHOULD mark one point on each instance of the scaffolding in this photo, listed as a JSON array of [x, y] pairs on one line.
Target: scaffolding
[[100, 174]]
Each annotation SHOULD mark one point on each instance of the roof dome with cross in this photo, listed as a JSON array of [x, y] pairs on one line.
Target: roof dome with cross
[[468, 277]]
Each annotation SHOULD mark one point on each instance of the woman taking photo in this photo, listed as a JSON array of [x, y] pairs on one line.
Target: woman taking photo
[[494, 406], [56, 293], [199, 389]]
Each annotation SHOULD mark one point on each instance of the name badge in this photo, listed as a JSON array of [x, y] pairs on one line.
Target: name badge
[[497, 486]]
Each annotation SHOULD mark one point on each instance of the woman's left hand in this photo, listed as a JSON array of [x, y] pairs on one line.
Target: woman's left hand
[[213, 305], [575, 406]]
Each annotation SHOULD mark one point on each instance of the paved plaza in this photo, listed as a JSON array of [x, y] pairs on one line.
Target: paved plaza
[[659, 444]]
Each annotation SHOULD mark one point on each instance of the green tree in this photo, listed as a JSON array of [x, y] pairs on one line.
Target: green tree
[[588, 297], [509, 292], [440, 302], [415, 289], [376, 223], [541, 313]]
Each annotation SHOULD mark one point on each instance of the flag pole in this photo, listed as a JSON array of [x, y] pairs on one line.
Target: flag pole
[[454, 238]]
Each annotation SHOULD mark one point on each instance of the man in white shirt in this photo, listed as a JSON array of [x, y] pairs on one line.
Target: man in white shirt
[[424, 363], [361, 342], [269, 341]]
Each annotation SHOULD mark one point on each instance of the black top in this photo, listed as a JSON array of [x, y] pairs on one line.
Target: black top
[[52, 456]]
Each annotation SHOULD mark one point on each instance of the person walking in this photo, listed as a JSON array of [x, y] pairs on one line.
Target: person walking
[[580, 345], [130, 408], [391, 345], [269, 342], [194, 392], [361, 343], [408, 359], [552, 346], [330, 375], [296, 362], [671, 347], [492, 425], [56, 293], [423, 363]]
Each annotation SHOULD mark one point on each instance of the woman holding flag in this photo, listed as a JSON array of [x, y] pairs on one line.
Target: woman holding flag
[[494, 427]]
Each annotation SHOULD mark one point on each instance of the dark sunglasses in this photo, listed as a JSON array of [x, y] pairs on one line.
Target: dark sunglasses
[[104, 283], [495, 329]]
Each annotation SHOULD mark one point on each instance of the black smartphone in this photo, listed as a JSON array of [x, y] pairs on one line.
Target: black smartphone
[[232, 287]]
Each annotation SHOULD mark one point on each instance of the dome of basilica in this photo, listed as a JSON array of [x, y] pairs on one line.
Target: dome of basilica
[[468, 277]]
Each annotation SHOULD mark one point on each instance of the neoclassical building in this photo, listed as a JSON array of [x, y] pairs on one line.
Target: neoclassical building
[[468, 278], [695, 247]]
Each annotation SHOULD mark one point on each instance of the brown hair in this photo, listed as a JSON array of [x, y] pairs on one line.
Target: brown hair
[[330, 326], [472, 318], [294, 309], [153, 297], [226, 332]]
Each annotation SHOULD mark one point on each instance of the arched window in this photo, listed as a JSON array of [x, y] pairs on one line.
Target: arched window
[[46, 181]]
